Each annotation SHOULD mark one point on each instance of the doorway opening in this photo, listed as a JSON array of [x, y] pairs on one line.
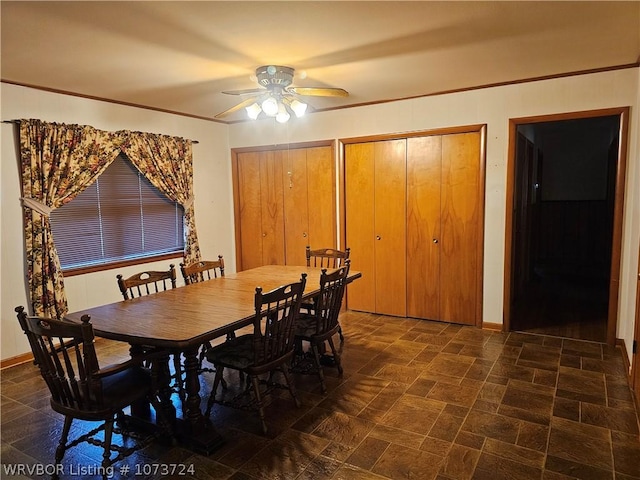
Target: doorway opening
[[563, 242]]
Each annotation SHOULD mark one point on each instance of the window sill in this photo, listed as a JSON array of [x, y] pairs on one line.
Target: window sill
[[124, 263]]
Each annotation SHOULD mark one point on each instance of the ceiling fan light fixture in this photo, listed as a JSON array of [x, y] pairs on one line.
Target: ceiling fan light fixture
[[282, 116], [270, 106], [253, 111], [276, 96], [299, 108]]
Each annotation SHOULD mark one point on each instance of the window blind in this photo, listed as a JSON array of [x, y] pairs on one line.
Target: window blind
[[121, 216]]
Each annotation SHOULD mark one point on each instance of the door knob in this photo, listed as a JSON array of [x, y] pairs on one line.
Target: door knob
[[264, 234], [378, 237], [304, 234], [435, 240]]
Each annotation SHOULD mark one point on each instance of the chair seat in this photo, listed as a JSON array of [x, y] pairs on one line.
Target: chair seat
[[118, 391], [307, 329], [121, 389], [236, 353]]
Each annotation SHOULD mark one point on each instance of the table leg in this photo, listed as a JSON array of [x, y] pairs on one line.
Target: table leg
[[195, 430], [165, 417], [140, 409], [163, 379]]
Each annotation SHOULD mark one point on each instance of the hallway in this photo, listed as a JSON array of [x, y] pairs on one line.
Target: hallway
[[563, 305]]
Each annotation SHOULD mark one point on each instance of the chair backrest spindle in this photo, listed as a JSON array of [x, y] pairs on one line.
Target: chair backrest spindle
[[274, 323], [65, 354], [146, 283], [332, 287], [202, 270], [326, 257]]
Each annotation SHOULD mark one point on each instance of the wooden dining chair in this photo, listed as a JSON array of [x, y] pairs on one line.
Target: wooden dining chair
[[202, 270], [267, 350], [324, 258], [148, 283], [80, 389], [320, 326]]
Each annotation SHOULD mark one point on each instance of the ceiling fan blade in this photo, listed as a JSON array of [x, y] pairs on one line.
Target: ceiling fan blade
[[237, 107], [319, 92], [244, 92]]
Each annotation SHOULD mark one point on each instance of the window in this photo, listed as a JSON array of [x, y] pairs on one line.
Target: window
[[120, 217]]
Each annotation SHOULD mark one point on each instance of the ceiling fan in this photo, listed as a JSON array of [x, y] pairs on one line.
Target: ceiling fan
[[275, 96]]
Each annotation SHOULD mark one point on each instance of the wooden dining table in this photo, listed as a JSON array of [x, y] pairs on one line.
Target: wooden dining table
[[184, 318]]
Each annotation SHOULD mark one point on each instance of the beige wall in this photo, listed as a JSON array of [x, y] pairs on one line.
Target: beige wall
[[214, 208], [493, 107], [212, 185]]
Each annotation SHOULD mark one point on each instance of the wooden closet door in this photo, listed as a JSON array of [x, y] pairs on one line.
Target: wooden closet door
[[249, 201], [375, 200], [460, 217], [261, 211], [359, 216], [273, 247], [390, 215], [296, 210], [309, 201], [423, 226], [284, 201], [321, 195]]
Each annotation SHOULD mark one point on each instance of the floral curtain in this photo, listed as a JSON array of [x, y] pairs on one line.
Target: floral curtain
[[57, 163], [167, 162]]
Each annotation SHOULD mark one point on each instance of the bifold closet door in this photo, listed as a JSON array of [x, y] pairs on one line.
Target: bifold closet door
[[442, 227], [261, 210], [375, 199], [390, 227], [359, 210], [286, 200], [296, 212], [309, 201], [460, 221], [321, 196], [424, 171]]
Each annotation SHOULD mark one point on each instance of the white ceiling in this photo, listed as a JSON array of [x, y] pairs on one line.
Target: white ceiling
[[179, 55]]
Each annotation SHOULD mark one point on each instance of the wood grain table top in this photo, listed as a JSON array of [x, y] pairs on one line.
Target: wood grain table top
[[189, 315]]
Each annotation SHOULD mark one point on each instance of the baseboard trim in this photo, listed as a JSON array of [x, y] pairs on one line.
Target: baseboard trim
[[17, 360], [627, 364], [492, 326], [22, 358], [625, 357]]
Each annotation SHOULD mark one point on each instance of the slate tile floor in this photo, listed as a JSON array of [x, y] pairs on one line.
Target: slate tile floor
[[418, 400]]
